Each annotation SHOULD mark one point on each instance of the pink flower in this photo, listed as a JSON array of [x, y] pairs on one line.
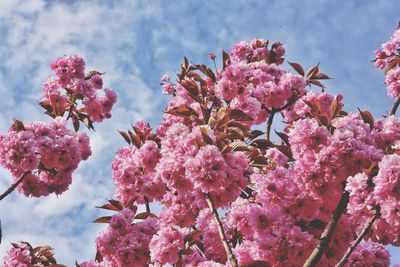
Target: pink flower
[[166, 245]]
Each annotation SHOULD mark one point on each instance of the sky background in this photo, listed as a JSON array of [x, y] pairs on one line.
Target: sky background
[[135, 43]]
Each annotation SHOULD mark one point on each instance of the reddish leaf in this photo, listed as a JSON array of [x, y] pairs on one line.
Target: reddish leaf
[[125, 136], [239, 145], [284, 137], [191, 87], [104, 219], [182, 111], [193, 238], [392, 63], [186, 61], [321, 76], [239, 115], [144, 215], [262, 143], [259, 161], [46, 106], [207, 71], [323, 119], [116, 204], [194, 235], [297, 67], [139, 132], [256, 133], [285, 149], [44, 254], [212, 122], [108, 207], [206, 137], [225, 59], [130, 203], [335, 108], [235, 133], [86, 121], [99, 257], [91, 73], [18, 126], [367, 118], [317, 83], [311, 72], [372, 170], [75, 122], [135, 139], [222, 113]]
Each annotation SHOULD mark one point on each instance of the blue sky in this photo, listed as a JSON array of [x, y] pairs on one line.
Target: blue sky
[[135, 42]]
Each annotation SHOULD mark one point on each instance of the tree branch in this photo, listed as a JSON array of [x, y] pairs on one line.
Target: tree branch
[[146, 202], [227, 248], [364, 232], [269, 125], [14, 185], [327, 234], [395, 106]]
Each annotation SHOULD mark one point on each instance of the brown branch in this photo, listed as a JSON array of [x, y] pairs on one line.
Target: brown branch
[[14, 185], [273, 111], [146, 202], [364, 232], [269, 125], [227, 248], [327, 234], [395, 106]]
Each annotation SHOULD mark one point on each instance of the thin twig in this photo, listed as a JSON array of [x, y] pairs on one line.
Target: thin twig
[[14, 185], [364, 232], [327, 234], [269, 125], [273, 111], [228, 249], [146, 202], [395, 106]]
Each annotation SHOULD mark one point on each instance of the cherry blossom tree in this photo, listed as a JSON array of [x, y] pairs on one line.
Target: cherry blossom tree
[[322, 191]]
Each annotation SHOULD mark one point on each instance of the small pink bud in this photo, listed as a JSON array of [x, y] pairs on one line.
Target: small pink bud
[[212, 56], [164, 78]]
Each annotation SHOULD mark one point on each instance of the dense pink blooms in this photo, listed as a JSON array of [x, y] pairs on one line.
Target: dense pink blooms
[[166, 245], [369, 254], [134, 173], [50, 152], [212, 161], [71, 85], [387, 195], [275, 198], [393, 82], [125, 243], [385, 58], [18, 256]]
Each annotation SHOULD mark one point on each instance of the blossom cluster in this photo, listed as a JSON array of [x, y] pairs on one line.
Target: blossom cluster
[[18, 256], [388, 58], [47, 152], [126, 243], [275, 199], [24, 255], [76, 86], [229, 195]]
